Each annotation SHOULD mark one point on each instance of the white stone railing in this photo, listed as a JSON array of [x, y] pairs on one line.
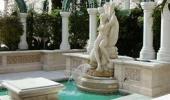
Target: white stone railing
[[19, 61]]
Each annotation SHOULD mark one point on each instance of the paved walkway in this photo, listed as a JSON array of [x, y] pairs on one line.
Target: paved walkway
[[165, 97], [134, 97], [52, 75]]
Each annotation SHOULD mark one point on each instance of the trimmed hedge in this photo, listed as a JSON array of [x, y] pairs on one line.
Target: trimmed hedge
[[156, 28], [10, 31], [44, 30], [130, 32], [79, 28]]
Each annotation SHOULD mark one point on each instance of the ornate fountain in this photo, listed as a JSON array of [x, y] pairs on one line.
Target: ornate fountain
[[99, 77]]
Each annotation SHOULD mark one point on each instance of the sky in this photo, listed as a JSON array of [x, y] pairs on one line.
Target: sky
[[1, 5]]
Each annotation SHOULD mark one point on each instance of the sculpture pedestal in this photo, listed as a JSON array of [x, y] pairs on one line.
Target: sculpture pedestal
[[32, 89], [97, 84], [93, 72]]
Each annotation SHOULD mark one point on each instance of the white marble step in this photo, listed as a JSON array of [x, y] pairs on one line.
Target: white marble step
[[52, 75]]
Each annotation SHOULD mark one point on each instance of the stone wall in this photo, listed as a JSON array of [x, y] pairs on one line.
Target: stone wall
[[73, 60], [147, 78], [20, 61]]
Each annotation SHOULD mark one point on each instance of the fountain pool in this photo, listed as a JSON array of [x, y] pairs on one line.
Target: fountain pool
[[72, 93]]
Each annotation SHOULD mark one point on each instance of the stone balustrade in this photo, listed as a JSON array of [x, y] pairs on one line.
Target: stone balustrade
[[19, 61]]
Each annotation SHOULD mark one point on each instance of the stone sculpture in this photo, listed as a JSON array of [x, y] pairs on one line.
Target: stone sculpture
[[98, 76], [104, 46]]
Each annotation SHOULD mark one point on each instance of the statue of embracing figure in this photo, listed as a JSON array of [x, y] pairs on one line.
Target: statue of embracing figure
[[104, 47]]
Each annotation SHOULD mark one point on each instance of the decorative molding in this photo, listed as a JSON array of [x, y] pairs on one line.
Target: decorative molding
[[133, 74], [21, 59], [75, 62]]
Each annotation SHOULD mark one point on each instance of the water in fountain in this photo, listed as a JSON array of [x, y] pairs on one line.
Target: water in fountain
[[75, 74], [71, 92], [80, 71]]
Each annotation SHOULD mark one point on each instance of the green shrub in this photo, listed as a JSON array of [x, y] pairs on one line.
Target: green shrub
[[44, 30], [79, 28], [130, 32], [10, 31], [156, 27]]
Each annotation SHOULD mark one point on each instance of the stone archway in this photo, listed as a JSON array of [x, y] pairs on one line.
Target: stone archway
[[22, 6], [20, 3]]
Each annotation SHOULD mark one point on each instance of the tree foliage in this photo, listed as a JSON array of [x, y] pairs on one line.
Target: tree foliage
[[10, 31]]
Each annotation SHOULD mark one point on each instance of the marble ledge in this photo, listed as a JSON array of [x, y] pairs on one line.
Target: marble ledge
[[148, 65], [83, 55], [42, 51], [124, 60]]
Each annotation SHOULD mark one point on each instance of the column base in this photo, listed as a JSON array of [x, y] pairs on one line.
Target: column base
[[147, 55], [64, 46], [89, 48], [163, 56], [23, 45]]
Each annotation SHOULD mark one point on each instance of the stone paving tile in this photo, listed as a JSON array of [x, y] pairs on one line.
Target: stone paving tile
[[134, 97], [165, 97], [6, 97]]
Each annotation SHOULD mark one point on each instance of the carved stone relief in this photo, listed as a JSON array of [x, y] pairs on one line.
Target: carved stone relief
[[20, 59], [133, 74]]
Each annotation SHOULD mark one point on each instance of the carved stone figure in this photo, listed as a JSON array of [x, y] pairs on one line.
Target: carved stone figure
[[104, 46]]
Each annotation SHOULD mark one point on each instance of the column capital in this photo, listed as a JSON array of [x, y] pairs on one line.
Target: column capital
[[148, 5], [65, 14], [92, 11]]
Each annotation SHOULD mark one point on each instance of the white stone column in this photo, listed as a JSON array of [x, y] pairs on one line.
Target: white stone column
[[50, 6], [5, 6], [92, 27], [65, 31], [23, 40], [164, 51], [127, 4], [147, 52]]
